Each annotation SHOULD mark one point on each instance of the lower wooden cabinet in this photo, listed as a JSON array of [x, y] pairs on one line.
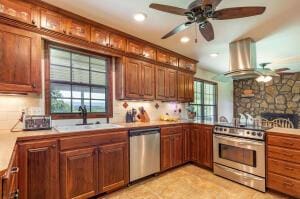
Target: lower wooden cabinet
[[79, 173], [38, 163], [186, 133], [202, 145], [283, 163], [113, 166], [171, 147]]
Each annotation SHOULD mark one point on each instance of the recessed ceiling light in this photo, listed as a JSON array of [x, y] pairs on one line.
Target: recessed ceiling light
[[214, 54], [184, 39], [140, 17]]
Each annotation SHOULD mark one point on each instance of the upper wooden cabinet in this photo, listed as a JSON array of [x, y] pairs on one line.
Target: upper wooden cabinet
[[167, 58], [185, 87], [140, 49], [166, 84], [78, 29], [135, 79], [187, 65], [53, 21], [20, 60], [108, 39], [117, 42], [19, 11]]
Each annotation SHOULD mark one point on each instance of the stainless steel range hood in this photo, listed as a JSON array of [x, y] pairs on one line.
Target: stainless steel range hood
[[242, 59]]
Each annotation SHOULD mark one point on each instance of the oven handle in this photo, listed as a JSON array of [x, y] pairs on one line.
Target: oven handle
[[240, 141], [241, 175]]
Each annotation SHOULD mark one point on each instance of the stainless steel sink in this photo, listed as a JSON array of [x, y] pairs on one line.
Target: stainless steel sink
[[76, 128]]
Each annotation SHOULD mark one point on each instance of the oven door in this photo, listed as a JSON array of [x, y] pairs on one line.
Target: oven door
[[241, 154]]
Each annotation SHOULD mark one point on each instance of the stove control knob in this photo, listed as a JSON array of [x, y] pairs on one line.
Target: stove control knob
[[248, 132], [253, 133], [221, 129], [259, 134], [225, 129]]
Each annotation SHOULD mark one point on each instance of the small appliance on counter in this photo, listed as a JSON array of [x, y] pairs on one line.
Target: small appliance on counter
[[36, 122]]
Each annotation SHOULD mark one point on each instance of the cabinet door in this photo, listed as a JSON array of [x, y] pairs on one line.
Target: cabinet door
[[163, 57], [133, 79], [147, 84], [117, 42], [173, 60], [177, 149], [20, 60], [19, 10], [134, 48], [166, 148], [79, 173], [172, 85], [190, 66], [181, 86], [53, 21], [161, 81], [149, 52], [79, 29], [207, 146], [38, 177], [194, 144], [189, 88], [186, 143], [100, 36], [113, 166]]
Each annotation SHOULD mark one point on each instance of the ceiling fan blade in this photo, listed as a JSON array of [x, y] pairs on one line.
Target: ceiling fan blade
[[177, 29], [279, 70], [168, 9], [238, 12], [207, 31]]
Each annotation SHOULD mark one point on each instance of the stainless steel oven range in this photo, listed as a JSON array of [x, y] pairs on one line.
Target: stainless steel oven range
[[239, 155]]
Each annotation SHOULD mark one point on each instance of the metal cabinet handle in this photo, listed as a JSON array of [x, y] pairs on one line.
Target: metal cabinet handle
[[14, 170]]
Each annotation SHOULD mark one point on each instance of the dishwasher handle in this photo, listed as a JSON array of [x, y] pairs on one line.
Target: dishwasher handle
[[140, 132]]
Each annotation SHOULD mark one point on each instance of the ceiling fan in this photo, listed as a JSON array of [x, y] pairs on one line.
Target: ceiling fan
[[269, 72], [200, 11]]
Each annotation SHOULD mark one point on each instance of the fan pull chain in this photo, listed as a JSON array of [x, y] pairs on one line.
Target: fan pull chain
[[196, 32]]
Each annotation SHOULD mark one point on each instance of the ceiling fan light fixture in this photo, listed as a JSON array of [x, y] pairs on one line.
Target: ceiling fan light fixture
[[140, 17], [184, 39], [264, 79]]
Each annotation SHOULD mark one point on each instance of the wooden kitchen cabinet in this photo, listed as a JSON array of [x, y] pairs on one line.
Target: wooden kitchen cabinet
[[173, 61], [186, 133], [283, 163], [20, 11], [134, 48], [171, 147], [38, 163], [20, 60], [117, 42], [138, 77], [10, 188], [79, 173], [113, 166], [149, 52], [78, 29], [163, 57], [166, 84], [53, 21], [185, 87], [206, 146], [187, 65], [195, 143]]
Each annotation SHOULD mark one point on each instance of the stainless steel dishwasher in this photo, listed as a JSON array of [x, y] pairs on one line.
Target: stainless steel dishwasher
[[144, 152]]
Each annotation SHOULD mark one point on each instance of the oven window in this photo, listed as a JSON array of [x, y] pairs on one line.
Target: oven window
[[237, 154]]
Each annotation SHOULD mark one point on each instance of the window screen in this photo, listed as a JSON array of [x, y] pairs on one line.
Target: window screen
[[77, 79], [205, 100]]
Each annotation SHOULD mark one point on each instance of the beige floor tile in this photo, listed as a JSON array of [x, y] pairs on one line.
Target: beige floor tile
[[190, 182]]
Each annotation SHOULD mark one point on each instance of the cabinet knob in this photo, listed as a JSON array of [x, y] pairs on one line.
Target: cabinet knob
[[70, 33], [33, 21], [14, 170], [33, 85], [53, 146], [64, 31], [107, 44]]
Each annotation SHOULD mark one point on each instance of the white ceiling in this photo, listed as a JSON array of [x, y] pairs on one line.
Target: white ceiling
[[277, 31]]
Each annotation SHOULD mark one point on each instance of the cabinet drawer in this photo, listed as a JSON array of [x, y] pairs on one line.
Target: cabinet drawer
[[284, 168], [165, 131], [93, 140], [284, 154], [286, 142], [283, 184]]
